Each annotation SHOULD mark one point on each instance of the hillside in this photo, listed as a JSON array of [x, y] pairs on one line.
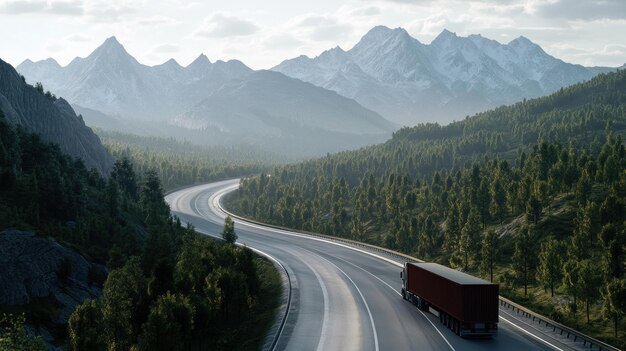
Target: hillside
[[221, 103], [91, 263], [409, 82], [531, 196], [51, 118]]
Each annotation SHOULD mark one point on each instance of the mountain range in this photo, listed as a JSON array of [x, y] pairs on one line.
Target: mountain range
[[52, 118], [408, 82], [209, 103], [307, 106]]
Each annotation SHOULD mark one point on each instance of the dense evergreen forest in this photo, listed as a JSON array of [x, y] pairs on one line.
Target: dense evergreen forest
[[182, 163], [167, 288], [532, 196]]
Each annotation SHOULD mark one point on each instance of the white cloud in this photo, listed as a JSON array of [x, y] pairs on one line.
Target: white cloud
[[166, 48], [79, 38], [20, 6], [66, 7], [583, 10], [366, 11], [220, 25], [17, 7], [320, 28], [156, 21], [282, 40], [54, 47], [112, 11]]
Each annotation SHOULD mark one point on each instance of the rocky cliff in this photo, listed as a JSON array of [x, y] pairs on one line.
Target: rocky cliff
[[53, 119], [41, 269]]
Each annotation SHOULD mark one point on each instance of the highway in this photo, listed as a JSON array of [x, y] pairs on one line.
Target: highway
[[342, 297]]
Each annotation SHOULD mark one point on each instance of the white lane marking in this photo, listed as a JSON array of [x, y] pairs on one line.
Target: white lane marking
[[323, 335], [367, 307], [372, 274], [195, 204], [396, 291], [437, 329], [529, 333]]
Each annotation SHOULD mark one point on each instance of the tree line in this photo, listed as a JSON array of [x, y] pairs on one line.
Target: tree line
[[182, 163]]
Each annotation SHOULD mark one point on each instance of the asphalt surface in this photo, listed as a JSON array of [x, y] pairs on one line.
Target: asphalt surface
[[342, 298]]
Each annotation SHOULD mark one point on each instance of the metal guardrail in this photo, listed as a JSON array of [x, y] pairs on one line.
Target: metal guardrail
[[562, 329], [398, 255]]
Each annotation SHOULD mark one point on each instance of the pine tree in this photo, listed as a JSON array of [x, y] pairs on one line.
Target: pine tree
[[124, 174], [550, 262], [583, 188], [524, 257], [85, 327], [571, 279], [489, 253], [169, 324], [469, 240], [498, 200], [533, 209], [590, 279], [614, 301], [452, 232], [228, 234], [483, 200]]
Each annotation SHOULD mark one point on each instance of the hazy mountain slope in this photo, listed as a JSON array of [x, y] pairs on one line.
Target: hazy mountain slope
[[210, 103], [269, 108], [408, 82], [53, 120]]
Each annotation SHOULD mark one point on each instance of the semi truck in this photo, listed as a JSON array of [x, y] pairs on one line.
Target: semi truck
[[465, 304]]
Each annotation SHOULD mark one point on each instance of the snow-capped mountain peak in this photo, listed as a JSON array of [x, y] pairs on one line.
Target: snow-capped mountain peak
[[201, 60], [409, 82], [445, 36], [171, 63], [111, 46], [523, 44]]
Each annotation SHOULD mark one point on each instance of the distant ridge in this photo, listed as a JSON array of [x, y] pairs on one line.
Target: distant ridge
[[210, 102], [409, 82]]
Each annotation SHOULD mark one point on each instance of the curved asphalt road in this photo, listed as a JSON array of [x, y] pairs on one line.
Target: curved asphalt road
[[342, 298]]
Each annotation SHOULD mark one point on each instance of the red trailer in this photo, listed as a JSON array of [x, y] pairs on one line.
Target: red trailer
[[465, 304]]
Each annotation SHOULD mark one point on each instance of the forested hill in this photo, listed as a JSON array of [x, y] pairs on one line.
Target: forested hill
[[167, 288], [532, 196], [568, 113], [578, 114]]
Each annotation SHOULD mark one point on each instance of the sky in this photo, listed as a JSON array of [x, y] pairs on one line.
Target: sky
[[264, 33]]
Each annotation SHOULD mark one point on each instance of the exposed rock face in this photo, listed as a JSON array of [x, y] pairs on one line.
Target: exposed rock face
[[34, 268], [55, 121]]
